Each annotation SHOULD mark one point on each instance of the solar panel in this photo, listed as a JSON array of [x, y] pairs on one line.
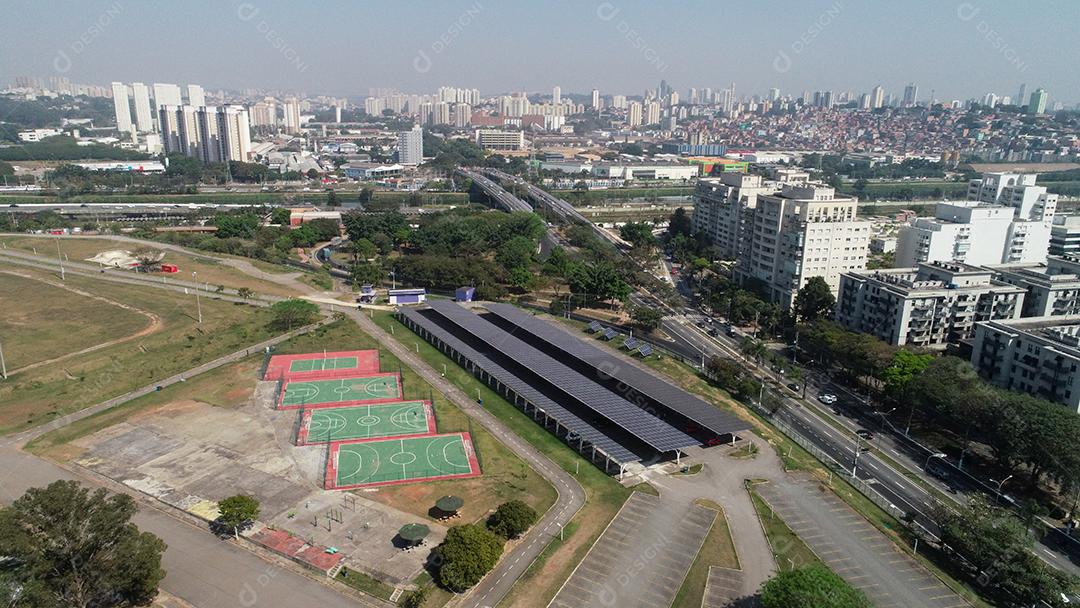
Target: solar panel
[[609, 334], [653, 431], [583, 429], [630, 343], [643, 381], [594, 327], [645, 350]]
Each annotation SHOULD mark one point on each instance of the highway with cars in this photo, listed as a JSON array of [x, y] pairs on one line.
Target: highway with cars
[[863, 448]]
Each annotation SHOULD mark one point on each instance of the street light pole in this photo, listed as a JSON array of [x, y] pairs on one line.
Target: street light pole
[[60, 258], [997, 498], [3, 367], [855, 462], [198, 303]]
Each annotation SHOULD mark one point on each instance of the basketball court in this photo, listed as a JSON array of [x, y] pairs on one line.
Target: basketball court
[[314, 366], [375, 462], [379, 388], [406, 418]]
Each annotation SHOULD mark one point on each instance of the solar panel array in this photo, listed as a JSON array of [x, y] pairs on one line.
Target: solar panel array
[[630, 343], [595, 327], [646, 350], [583, 429], [653, 431], [609, 334], [672, 397]]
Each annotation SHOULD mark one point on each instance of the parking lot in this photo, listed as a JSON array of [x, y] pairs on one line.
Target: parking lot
[[642, 557], [722, 590], [855, 549]]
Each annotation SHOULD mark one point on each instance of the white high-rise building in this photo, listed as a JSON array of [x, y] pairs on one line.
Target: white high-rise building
[[410, 146], [803, 231], [144, 117], [618, 102], [633, 114], [211, 134], [877, 97], [596, 99], [724, 206], [1007, 219], [264, 113], [556, 95], [440, 113], [292, 115], [122, 108], [462, 115], [166, 95], [196, 95], [652, 112]]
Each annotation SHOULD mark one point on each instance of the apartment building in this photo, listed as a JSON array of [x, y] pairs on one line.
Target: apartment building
[[802, 231], [211, 134], [497, 139], [1039, 355], [1065, 235], [1053, 286], [724, 209], [928, 306]]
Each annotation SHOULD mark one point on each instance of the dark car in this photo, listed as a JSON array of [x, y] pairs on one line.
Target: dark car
[[793, 386], [865, 434]]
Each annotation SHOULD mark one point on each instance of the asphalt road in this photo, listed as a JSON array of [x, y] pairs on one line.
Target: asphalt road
[[892, 484]]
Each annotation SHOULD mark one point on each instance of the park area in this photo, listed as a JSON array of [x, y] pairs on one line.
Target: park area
[[220, 434], [72, 343]]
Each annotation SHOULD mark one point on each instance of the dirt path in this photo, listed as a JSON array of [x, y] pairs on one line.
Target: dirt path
[[155, 322]]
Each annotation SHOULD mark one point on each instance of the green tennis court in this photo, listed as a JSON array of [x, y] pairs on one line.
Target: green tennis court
[[318, 365], [339, 391], [391, 461], [366, 422]]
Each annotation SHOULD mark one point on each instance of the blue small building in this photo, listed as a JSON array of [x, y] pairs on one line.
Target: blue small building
[[464, 294], [407, 296]]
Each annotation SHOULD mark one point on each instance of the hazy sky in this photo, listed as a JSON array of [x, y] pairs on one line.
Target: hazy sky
[[958, 49]]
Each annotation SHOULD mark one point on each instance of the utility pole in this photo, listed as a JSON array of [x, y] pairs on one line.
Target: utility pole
[[60, 258], [3, 366], [198, 304]]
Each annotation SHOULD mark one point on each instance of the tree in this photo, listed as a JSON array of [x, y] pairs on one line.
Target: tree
[[237, 512], [245, 293], [680, 224], [415, 598], [332, 198], [905, 367], [638, 234], [312, 173], [516, 253], [65, 546], [466, 555], [365, 195], [646, 317], [366, 273], [291, 312], [814, 301], [815, 585], [512, 519]]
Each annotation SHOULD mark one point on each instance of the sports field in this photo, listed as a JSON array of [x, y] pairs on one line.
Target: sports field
[[318, 365], [323, 366], [340, 391], [366, 422], [374, 462]]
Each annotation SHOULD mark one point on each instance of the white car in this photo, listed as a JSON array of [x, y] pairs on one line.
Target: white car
[[827, 398]]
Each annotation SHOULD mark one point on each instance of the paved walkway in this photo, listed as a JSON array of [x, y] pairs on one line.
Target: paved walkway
[[571, 497]]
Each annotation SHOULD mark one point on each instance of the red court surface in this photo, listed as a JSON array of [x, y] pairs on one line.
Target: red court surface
[[297, 549], [368, 463], [308, 365]]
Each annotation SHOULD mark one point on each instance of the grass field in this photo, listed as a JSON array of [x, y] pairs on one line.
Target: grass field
[[339, 391], [717, 550], [365, 422], [37, 323], [209, 270], [604, 495], [179, 343], [375, 462]]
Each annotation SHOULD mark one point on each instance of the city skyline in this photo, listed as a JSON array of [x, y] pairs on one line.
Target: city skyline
[[970, 49]]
